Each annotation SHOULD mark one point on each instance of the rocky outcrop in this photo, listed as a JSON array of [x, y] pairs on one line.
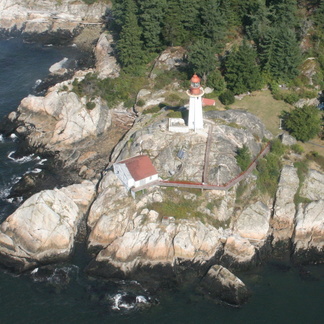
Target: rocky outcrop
[[221, 284], [163, 146], [46, 18], [285, 209], [106, 63], [130, 234], [62, 118], [43, 229], [77, 130], [309, 232]]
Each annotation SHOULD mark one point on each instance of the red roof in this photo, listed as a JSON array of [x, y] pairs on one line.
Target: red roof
[[140, 167], [208, 102]]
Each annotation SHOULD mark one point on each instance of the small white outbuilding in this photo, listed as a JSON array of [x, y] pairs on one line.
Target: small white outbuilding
[[136, 171]]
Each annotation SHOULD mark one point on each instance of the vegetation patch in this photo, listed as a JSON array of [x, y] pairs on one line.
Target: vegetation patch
[[122, 89], [317, 158], [302, 169], [269, 167], [243, 157]]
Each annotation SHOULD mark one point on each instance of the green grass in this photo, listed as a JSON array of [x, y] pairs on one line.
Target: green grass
[[262, 104]]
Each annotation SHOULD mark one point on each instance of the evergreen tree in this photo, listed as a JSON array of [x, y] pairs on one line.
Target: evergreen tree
[[258, 23], [213, 22], [280, 54], [201, 57], [151, 15], [129, 45], [283, 12], [242, 72], [216, 81], [174, 32]]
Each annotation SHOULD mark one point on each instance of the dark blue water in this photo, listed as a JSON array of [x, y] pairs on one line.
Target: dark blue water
[[64, 294]]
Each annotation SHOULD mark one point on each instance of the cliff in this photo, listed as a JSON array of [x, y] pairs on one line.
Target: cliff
[[51, 21]]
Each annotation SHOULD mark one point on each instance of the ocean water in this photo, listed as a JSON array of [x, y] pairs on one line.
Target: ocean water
[[281, 293]]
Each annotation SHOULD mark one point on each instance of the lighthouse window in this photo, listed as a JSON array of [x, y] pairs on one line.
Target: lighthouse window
[[195, 84]]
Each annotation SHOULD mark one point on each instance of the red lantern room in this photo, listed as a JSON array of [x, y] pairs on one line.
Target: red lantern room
[[195, 85]]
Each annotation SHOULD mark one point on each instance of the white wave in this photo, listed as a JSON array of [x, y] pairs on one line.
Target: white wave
[[1, 138], [141, 300], [36, 170], [23, 159], [13, 136], [119, 302], [41, 162], [4, 193], [34, 271], [37, 83]]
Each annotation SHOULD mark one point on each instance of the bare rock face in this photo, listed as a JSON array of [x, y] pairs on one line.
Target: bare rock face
[[43, 229], [163, 146], [243, 119], [285, 209], [313, 186], [171, 58], [309, 232], [65, 17], [222, 284], [106, 63], [152, 244], [62, 118], [253, 223]]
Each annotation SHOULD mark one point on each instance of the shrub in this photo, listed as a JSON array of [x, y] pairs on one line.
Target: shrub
[[152, 110], [175, 114], [243, 157], [268, 173], [140, 102], [90, 105], [227, 97], [297, 148], [302, 123], [277, 147]]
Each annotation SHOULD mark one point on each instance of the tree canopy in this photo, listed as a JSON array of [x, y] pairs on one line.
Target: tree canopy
[[303, 123]]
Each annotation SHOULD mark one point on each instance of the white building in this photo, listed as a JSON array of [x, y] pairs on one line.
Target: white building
[[195, 93], [136, 171]]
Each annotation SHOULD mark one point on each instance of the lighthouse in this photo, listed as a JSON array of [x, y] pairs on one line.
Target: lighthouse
[[195, 93]]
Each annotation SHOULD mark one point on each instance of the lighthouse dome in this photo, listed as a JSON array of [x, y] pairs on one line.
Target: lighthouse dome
[[195, 79]]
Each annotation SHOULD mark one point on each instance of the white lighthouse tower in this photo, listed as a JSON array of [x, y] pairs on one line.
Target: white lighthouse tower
[[195, 119]]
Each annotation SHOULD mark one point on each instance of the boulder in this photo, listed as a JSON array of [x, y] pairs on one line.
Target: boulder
[[43, 228], [287, 139], [284, 208], [223, 285]]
